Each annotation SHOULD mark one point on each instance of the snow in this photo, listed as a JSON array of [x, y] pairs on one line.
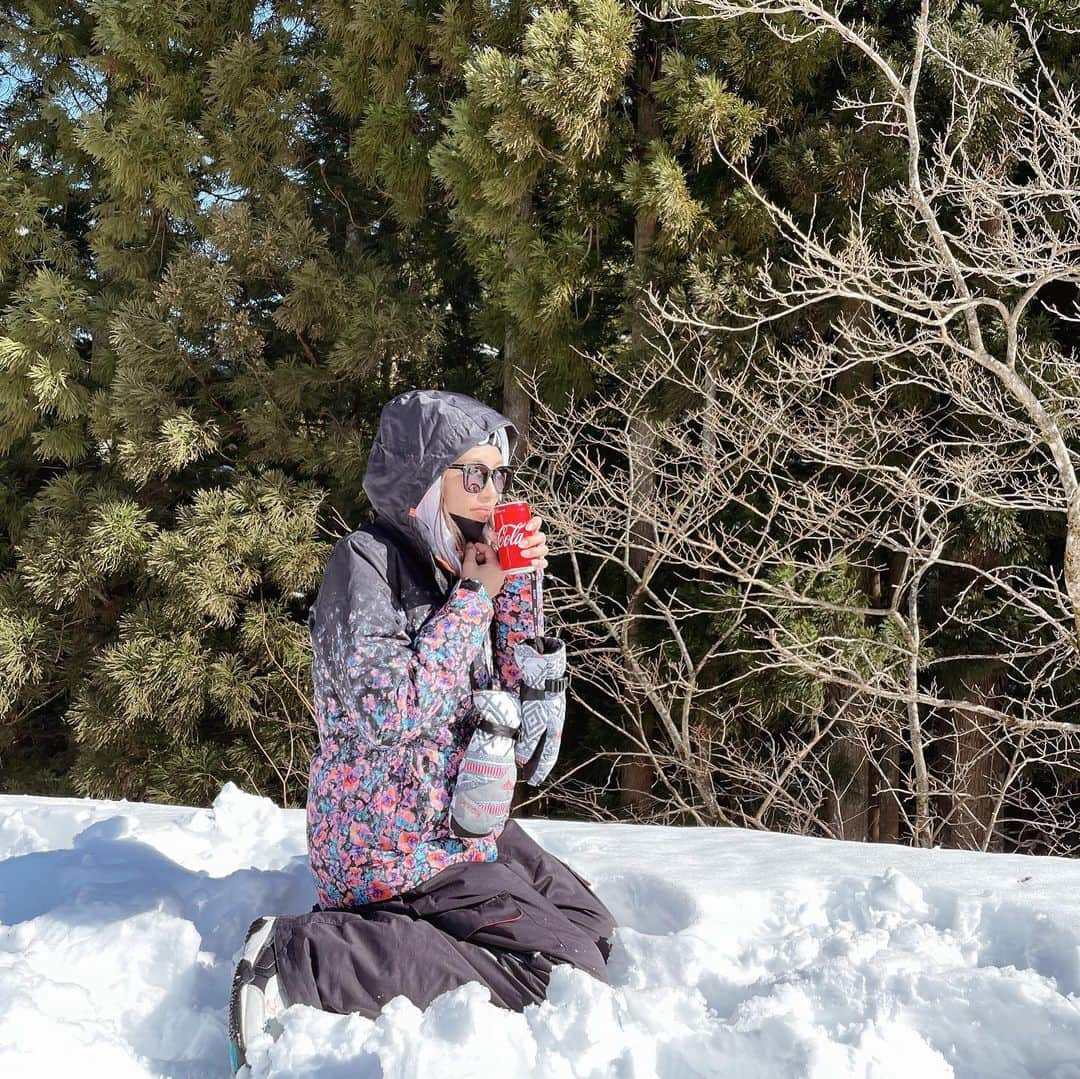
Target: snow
[[740, 954]]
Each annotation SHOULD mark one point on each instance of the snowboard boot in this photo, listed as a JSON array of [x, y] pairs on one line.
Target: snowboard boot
[[256, 999]]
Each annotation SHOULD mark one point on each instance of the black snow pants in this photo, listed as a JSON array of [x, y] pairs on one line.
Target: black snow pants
[[503, 923]]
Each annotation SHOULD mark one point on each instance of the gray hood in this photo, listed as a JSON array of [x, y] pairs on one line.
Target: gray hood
[[420, 433]]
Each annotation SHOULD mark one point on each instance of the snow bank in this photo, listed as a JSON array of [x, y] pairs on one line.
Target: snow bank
[[739, 954]]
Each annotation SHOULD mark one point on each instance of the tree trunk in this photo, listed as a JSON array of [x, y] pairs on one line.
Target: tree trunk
[[884, 822], [517, 408], [885, 779], [976, 766], [848, 808], [516, 404], [636, 776]]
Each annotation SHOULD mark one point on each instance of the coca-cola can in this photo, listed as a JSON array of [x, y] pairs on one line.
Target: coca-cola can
[[509, 532]]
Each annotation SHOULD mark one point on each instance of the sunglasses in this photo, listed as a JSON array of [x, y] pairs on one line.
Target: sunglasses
[[475, 477]]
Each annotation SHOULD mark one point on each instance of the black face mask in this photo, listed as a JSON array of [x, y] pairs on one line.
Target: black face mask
[[471, 529]]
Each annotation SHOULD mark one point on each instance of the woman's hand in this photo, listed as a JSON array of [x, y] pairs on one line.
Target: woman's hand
[[481, 557], [481, 561], [535, 547]]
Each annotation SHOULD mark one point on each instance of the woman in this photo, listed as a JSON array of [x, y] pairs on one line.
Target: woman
[[413, 613]]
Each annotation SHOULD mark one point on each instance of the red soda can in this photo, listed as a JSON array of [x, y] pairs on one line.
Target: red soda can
[[509, 533]]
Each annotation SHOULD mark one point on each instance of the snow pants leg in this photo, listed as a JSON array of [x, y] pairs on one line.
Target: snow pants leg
[[503, 923]]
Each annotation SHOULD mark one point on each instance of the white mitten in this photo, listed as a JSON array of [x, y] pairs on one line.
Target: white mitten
[[543, 707], [485, 780]]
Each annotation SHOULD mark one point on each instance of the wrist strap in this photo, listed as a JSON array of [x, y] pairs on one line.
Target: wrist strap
[[490, 727], [550, 686]]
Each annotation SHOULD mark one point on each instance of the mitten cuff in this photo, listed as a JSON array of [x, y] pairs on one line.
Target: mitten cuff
[[542, 673], [543, 707]]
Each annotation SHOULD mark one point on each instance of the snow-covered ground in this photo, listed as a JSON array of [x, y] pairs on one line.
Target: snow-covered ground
[[739, 954]]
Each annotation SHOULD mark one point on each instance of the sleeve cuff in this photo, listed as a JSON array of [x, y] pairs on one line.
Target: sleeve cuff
[[481, 593]]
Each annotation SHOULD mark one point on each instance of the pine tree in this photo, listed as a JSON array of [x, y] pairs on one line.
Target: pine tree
[[203, 311], [579, 178], [523, 147]]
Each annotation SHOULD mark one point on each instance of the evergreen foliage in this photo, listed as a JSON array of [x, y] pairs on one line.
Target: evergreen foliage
[[203, 310], [231, 232]]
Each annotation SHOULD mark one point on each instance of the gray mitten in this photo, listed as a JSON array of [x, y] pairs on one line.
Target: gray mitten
[[543, 707], [485, 780]]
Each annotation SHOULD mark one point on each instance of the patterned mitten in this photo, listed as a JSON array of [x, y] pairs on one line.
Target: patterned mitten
[[543, 707], [485, 780]]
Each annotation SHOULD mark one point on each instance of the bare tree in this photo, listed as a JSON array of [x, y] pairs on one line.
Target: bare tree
[[786, 489]]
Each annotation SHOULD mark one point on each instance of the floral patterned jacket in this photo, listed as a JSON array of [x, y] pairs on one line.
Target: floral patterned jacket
[[397, 647]]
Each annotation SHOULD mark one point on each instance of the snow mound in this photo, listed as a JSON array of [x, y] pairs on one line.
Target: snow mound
[[739, 954]]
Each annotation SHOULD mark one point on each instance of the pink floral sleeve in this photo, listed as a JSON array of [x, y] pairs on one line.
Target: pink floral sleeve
[[514, 622]]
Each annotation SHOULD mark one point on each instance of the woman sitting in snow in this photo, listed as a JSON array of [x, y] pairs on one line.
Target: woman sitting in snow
[[413, 614]]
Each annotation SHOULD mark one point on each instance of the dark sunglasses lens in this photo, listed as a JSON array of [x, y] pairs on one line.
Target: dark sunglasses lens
[[476, 478]]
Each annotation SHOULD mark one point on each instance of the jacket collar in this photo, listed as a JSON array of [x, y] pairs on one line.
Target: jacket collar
[[421, 552]]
